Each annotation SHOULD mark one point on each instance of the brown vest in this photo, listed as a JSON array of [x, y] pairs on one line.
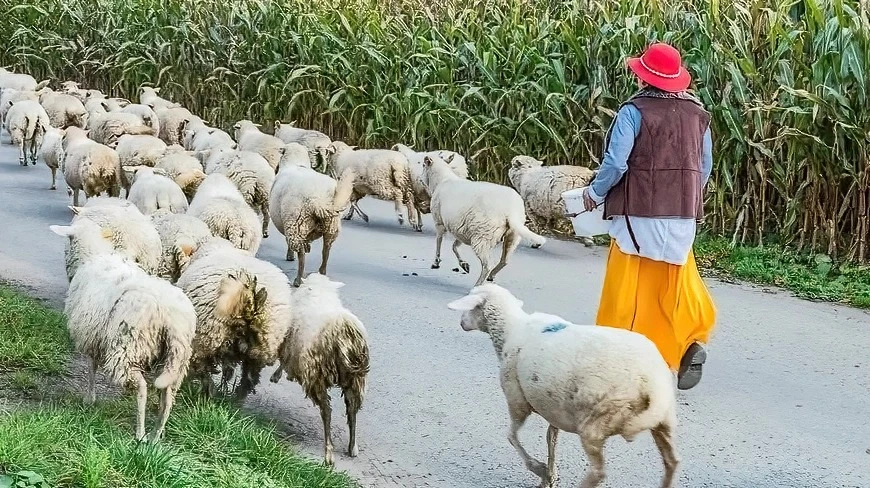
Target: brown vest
[[664, 168]]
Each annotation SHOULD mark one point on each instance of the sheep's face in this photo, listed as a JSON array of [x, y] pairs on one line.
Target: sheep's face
[[471, 307]]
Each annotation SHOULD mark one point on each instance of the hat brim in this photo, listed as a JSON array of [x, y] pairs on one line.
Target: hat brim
[[678, 84]]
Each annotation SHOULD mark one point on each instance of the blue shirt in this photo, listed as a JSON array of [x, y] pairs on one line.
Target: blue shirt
[[660, 239]]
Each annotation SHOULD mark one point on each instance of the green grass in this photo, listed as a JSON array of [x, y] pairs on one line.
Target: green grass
[[206, 444]]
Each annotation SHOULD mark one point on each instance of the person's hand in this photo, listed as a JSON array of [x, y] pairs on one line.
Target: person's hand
[[588, 202]]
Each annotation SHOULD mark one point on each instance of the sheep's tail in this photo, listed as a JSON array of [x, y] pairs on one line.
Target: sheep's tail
[[343, 190], [350, 354], [239, 297], [517, 224], [401, 176], [29, 127], [178, 350]]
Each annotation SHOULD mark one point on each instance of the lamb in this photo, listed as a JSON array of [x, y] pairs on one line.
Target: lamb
[[63, 110], [542, 186], [52, 152], [250, 138], [183, 168], [27, 123], [127, 322], [180, 235], [251, 174], [222, 207], [305, 206], [478, 214], [173, 121], [381, 173], [243, 309], [146, 113], [149, 96], [422, 200], [107, 128], [138, 150], [133, 234], [315, 142], [597, 382], [152, 191], [326, 346]]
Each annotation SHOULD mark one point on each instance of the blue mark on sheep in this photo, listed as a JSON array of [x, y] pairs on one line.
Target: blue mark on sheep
[[554, 327]]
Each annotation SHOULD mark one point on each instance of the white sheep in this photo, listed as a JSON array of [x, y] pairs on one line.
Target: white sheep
[[478, 214], [127, 322], [149, 96], [180, 235], [251, 174], [597, 382], [380, 173], [27, 123], [243, 309], [422, 200], [52, 152], [326, 346], [315, 142], [146, 113], [73, 88], [19, 81], [173, 122], [250, 138], [204, 140], [97, 105], [152, 190], [107, 128], [222, 207], [89, 166], [63, 110], [183, 168], [133, 234], [306, 206], [138, 150], [542, 186], [13, 96]]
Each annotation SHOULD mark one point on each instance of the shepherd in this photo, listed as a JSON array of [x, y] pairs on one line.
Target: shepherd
[[657, 160]]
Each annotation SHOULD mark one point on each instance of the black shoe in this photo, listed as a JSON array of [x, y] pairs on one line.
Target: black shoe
[[691, 367]]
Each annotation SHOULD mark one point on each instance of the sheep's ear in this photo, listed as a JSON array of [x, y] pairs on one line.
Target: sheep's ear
[[156, 89], [11, 103], [75, 210], [62, 230], [427, 161], [450, 159], [277, 125], [466, 303], [159, 171], [42, 84], [105, 106], [186, 249]]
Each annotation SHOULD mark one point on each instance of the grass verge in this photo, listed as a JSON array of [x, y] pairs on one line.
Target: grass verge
[[207, 443]]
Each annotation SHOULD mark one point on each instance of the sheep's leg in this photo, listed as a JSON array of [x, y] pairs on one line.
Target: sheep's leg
[[511, 242], [662, 437], [351, 208], [76, 197], [167, 398], [53, 179], [552, 477], [300, 269], [324, 255], [141, 399], [462, 263], [362, 214], [398, 203], [352, 404], [276, 376], [483, 256], [323, 402], [519, 414], [21, 156], [92, 382], [594, 448], [264, 209], [439, 237]]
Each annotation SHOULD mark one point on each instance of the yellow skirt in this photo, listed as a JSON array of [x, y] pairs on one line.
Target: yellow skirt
[[669, 304]]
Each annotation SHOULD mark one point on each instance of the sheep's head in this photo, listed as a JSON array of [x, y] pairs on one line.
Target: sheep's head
[[294, 154], [475, 307], [86, 239], [525, 162], [319, 282]]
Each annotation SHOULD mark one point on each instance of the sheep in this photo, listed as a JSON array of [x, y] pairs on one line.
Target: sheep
[[326, 346], [149, 96], [152, 191], [478, 214], [315, 142], [107, 128], [422, 200], [98, 105], [27, 123], [10, 96], [133, 234], [127, 322], [180, 235], [19, 81], [381, 173], [63, 110], [89, 166], [52, 152], [250, 138], [72, 88], [542, 186], [173, 121], [222, 207], [251, 174], [205, 140], [306, 206], [243, 309], [138, 150], [146, 113], [597, 382], [183, 168]]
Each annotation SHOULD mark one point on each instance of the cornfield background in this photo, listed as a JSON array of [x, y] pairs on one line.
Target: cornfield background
[[786, 81]]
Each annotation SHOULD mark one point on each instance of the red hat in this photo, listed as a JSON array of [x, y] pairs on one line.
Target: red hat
[[661, 66]]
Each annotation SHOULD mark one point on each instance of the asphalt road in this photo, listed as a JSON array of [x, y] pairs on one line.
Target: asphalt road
[[785, 401]]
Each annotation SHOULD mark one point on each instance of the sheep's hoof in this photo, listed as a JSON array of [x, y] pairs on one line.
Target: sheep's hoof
[[53, 188], [436, 265], [365, 218], [297, 282], [418, 228], [536, 246], [265, 234], [490, 279], [353, 451], [465, 266], [348, 217], [276, 375]]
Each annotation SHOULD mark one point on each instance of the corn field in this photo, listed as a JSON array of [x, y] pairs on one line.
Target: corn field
[[786, 82]]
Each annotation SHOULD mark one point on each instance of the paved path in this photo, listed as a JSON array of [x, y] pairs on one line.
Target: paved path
[[785, 402]]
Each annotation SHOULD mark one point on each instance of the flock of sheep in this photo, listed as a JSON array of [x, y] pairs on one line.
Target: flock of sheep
[[165, 282]]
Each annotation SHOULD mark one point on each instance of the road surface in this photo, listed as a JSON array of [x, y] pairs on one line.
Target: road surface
[[785, 400]]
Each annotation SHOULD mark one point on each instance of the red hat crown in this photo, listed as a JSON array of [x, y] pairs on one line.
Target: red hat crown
[[662, 60]]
